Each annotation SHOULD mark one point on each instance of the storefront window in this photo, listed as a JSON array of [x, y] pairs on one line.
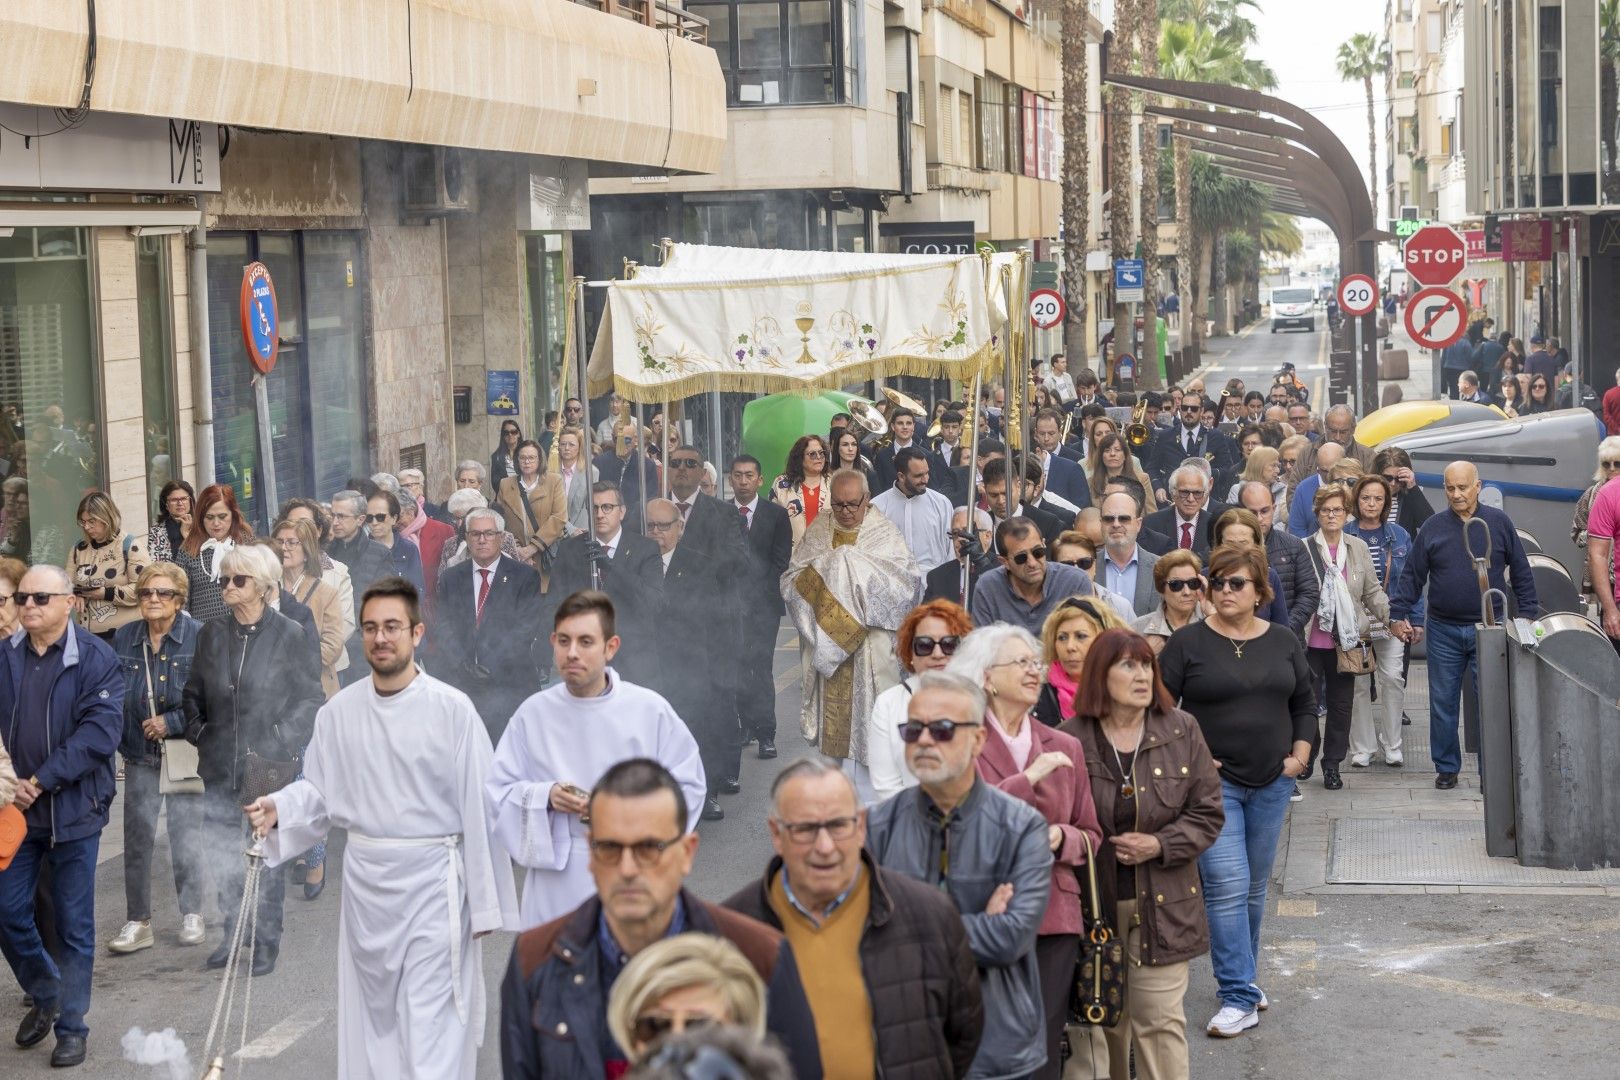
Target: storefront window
[[548, 311], [50, 445], [156, 316]]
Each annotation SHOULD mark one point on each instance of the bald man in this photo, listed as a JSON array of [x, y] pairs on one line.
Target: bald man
[[1440, 562], [1301, 519]]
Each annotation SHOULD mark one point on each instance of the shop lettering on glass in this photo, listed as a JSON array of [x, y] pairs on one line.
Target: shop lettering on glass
[[185, 152]]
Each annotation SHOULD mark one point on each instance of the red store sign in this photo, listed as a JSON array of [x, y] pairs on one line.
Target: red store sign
[[1527, 241]]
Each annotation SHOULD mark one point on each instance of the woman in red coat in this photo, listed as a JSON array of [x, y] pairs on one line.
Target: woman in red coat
[[1045, 768], [429, 535]]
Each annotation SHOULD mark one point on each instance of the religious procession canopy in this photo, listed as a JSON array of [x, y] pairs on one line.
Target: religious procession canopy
[[765, 321]]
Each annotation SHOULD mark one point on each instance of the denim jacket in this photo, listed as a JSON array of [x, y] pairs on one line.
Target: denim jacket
[[1397, 545], [171, 667]]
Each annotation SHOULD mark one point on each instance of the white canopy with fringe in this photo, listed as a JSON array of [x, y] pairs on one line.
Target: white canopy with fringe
[[765, 321]]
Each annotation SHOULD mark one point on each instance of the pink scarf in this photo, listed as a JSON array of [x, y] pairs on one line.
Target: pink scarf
[[1065, 688], [412, 531]]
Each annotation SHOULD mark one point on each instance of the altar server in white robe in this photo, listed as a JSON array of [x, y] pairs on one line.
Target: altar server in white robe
[[400, 760], [561, 741]]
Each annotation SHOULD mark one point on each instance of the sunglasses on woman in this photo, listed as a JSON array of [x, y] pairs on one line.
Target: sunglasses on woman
[[1084, 562], [925, 646], [649, 1029], [941, 731], [1237, 583], [1183, 584]]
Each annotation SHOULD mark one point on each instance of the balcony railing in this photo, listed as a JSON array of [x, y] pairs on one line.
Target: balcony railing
[[657, 14]]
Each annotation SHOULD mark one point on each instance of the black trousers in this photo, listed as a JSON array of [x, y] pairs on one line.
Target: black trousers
[[227, 836], [756, 685], [1341, 695], [1056, 956], [142, 801]]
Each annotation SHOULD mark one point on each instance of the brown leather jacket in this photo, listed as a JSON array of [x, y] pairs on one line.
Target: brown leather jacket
[[1179, 801]]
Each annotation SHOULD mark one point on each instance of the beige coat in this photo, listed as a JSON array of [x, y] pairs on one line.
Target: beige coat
[[322, 600], [548, 502], [1363, 584], [8, 778]]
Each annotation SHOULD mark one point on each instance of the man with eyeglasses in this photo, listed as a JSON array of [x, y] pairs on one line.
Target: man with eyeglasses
[[1027, 587], [865, 937], [1301, 518], [366, 559], [616, 560], [1286, 555], [1189, 437], [921, 514], [850, 584], [1127, 566], [640, 851], [1338, 427], [562, 740], [400, 761], [988, 852], [698, 639], [1187, 519], [486, 623], [61, 694], [707, 523]]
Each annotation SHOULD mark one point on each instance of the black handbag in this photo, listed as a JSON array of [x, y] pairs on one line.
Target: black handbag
[[263, 776], [1099, 976]]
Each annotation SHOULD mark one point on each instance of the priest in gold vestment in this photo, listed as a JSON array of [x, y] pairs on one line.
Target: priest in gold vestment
[[850, 584]]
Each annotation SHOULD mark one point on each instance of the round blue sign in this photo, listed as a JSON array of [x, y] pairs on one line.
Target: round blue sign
[[260, 317]]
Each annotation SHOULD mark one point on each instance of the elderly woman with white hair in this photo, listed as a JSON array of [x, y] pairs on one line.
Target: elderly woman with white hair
[[249, 708], [1045, 768]]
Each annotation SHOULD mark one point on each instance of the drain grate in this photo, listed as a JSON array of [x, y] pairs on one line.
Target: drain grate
[[1397, 851]]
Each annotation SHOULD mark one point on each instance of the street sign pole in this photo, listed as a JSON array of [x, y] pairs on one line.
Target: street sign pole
[[261, 334], [267, 456]]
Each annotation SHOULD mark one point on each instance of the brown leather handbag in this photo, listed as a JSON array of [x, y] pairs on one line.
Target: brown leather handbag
[[1099, 976]]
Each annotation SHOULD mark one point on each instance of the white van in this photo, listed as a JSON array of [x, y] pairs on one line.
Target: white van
[[1292, 307]]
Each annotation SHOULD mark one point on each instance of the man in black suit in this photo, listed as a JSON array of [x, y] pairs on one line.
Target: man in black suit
[[630, 572], [366, 559], [625, 465], [995, 493], [903, 425], [486, 622], [707, 524], [1190, 437], [968, 477], [945, 580], [951, 437], [759, 601], [697, 638], [1187, 521]]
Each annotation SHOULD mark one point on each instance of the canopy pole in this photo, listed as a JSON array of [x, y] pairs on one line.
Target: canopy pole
[[973, 486], [1007, 402], [641, 466], [1016, 340], [663, 451], [581, 389]]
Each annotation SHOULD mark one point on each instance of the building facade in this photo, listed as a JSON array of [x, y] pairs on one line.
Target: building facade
[[415, 200]]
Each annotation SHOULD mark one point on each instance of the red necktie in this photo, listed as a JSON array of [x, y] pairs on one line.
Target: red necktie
[[1186, 537], [685, 509], [746, 525], [483, 594]]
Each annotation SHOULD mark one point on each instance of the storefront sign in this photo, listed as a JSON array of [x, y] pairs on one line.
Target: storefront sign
[[260, 317], [559, 197], [106, 152], [1479, 249], [1527, 241], [501, 393], [927, 237]]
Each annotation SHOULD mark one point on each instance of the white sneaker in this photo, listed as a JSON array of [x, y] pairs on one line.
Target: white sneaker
[[1231, 1022], [1360, 761], [192, 930], [1394, 761], [134, 937], [1265, 1002]]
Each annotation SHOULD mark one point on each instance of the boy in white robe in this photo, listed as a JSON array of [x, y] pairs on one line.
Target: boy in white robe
[[400, 760], [560, 742]]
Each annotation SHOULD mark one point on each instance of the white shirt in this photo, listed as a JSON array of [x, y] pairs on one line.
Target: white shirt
[[752, 506], [684, 508], [612, 543], [478, 577], [666, 556], [924, 520]]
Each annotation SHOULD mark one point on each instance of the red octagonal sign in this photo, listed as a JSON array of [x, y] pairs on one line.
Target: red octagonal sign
[[1435, 255]]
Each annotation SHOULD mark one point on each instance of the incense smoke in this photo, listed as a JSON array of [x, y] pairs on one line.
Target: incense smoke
[[158, 1048]]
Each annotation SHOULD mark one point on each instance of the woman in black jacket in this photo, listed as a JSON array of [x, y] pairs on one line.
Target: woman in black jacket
[[254, 688], [503, 462]]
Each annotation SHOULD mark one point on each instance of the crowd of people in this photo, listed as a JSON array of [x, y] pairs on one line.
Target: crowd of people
[[1043, 716]]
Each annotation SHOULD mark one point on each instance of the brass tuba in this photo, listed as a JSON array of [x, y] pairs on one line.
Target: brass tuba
[[1138, 434]]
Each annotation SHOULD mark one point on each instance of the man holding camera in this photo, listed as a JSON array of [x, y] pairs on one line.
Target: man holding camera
[[944, 581]]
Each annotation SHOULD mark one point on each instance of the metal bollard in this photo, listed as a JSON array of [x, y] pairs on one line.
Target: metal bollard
[[1492, 739], [1564, 687]]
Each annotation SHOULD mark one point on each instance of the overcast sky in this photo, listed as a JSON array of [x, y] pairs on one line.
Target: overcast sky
[[1299, 39]]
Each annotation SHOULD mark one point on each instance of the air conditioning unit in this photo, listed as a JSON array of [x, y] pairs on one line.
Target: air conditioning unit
[[438, 180]]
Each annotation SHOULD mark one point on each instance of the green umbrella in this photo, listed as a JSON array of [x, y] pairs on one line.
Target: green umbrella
[[771, 425]]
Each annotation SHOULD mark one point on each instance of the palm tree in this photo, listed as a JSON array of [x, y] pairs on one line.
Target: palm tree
[[1076, 178], [1280, 234], [1362, 57], [1609, 91], [1147, 51], [1221, 204], [1120, 233]]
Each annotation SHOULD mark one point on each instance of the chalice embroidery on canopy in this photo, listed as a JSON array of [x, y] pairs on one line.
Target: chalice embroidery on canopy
[[804, 321]]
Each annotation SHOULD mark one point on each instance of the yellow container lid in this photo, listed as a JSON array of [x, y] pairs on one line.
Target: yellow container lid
[[1405, 417]]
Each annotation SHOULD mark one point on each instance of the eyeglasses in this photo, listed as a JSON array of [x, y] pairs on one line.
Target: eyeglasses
[[1036, 552], [941, 731], [571, 408], [37, 599], [1391, 478], [483, 534], [153, 594], [239, 581], [1028, 663], [376, 519], [288, 543], [649, 1029], [1117, 519], [1182, 584], [646, 852], [925, 646], [385, 631], [1236, 583], [1609, 464], [815, 453], [1084, 562], [685, 463], [604, 508], [847, 507], [7, 598], [659, 526], [805, 832], [1331, 511]]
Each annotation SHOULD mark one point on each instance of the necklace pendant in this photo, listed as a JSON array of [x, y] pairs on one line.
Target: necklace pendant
[[1239, 650], [1127, 790]]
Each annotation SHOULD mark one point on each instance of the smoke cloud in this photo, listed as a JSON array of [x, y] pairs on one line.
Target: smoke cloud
[[158, 1048]]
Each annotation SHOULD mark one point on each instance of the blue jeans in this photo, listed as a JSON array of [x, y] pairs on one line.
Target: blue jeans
[[1452, 653], [1235, 870], [73, 889]]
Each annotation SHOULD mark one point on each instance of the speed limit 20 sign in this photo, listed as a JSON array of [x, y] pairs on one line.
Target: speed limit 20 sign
[[1046, 308], [1358, 295]]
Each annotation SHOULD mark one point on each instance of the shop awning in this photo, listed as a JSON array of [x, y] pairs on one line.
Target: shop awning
[[524, 76], [761, 321]]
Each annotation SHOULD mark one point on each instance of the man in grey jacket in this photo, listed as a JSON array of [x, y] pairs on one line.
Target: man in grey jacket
[[987, 850], [1285, 554]]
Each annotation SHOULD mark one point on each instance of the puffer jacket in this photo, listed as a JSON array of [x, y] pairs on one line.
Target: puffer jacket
[[994, 838], [171, 670], [268, 708], [1287, 556], [1181, 804], [921, 980]]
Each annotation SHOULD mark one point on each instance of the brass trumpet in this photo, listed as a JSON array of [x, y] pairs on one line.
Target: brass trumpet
[[1137, 434]]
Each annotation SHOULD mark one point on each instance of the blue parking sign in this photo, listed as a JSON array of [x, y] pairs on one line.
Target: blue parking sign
[[1129, 276]]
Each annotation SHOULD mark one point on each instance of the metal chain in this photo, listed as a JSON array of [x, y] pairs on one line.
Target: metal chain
[[250, 888], [247, 917]]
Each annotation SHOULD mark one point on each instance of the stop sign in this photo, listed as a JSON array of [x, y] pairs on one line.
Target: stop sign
[[1435, 255]]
